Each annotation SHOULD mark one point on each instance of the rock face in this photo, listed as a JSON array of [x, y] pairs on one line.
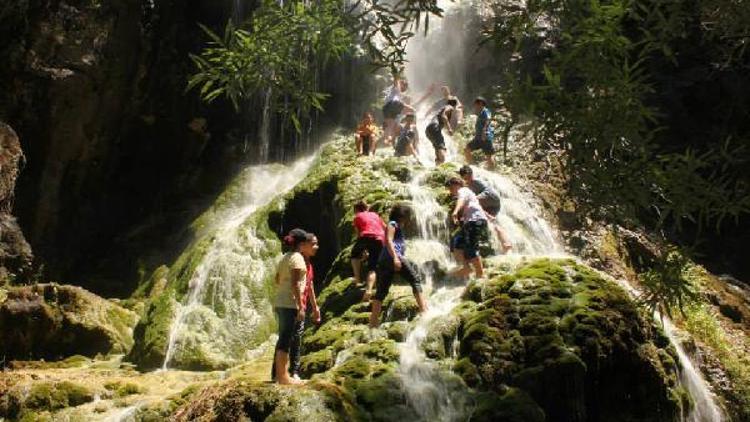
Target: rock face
[[51, 321], [120, 158], [543, 340], [15, 252]]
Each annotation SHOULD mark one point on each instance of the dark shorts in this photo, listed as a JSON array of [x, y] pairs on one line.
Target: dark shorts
[[287, 320], [435, 135], [400, 149], [491, 205], [485, 145], [372, 246], [386, 272], [392, 109], [467, 239], [366, 144]]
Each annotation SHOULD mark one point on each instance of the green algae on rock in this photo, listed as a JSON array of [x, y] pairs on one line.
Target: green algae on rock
[[572, 340], [51, 321]]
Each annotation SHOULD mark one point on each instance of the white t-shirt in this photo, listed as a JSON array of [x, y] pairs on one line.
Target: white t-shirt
[[284, 296], [394, 94], [472, 208]]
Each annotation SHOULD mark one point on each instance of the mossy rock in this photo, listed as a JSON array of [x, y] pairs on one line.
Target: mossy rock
[[242, 399], [152, 332], [317, 362], [43, 397], [400, 304], [52, 321], [562, 334], [442, 334]]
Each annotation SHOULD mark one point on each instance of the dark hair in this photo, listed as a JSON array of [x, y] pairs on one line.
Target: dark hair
[[480, 100], [466, 170], [399, 212], [361, 206], [453, 181], [295, 237], [452, 101]]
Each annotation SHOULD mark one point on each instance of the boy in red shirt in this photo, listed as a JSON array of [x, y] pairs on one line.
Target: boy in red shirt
[[370, 237]]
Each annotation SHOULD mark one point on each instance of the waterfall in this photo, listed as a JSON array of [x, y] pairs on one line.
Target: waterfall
[[430, 390], [226, 294]]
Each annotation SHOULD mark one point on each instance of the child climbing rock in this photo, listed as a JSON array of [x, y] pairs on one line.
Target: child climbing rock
[[489, 199], [393, 261], [434, 129], [293, 290], [408, 138], [370, 238], [473, 220], [483, 134], [365, 135]]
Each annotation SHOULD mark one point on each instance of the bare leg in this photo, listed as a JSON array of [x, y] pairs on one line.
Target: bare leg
[[421, 302], [373, 145], [370, 285], [358, 140], [356, 269], [467, 155], [282, 374], [463, 271], [504, 241], [375, 313], [439, 156], [490, 161], [477, 264]]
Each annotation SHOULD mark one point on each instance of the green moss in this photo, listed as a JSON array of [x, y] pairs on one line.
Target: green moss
[[152, 332], [555, 322], [55, 396], [317, 362], [124, 389]]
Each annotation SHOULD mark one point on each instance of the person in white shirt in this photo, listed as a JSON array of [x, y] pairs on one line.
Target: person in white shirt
[[472, 218]]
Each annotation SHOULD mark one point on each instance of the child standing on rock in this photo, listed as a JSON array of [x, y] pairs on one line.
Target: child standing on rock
[[370, 238], [393, 261], [483, 134], [473, 220], [434, 129], [408, 138]]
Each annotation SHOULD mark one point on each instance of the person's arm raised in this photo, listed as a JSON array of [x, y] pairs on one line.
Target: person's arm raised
[[390, 235]]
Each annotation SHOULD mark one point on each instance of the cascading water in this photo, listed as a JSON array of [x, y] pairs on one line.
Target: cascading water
[[431, 391], [226, 295]]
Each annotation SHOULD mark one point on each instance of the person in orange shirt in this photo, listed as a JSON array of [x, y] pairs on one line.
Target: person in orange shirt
[[365, 135]]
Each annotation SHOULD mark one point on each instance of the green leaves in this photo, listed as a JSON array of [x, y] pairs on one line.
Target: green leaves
[[279, 53], [282, 47]]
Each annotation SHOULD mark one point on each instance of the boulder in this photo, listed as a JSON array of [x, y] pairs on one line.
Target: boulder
[[15, 252], [51, 321]]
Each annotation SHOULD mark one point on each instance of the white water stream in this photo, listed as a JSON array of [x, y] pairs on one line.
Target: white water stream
[[428, 389], [225, 295]]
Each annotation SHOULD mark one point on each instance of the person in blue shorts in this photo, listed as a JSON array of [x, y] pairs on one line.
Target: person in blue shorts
[[484, 134]]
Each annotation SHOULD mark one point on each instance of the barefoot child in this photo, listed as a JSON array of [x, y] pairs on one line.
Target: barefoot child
[[483, 134], [434, 129], [392, 261], [292, 292], [408, 138], [469, 213], [490, 201], [365, 135], [370, 238]]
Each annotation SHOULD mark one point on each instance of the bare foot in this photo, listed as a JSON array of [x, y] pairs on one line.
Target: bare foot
[[290, 381], [507, 247]]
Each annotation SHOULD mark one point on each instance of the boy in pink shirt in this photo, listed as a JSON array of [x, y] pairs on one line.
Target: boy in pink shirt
[[370, 237]]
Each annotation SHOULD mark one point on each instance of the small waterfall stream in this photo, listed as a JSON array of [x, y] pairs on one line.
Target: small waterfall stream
[[225, 295]]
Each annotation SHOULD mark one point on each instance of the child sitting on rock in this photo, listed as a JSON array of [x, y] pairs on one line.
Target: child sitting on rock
[[393, 261], [365, 135], [408, 138]]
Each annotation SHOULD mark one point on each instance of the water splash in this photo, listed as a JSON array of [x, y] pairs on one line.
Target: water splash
[[226, 299]]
